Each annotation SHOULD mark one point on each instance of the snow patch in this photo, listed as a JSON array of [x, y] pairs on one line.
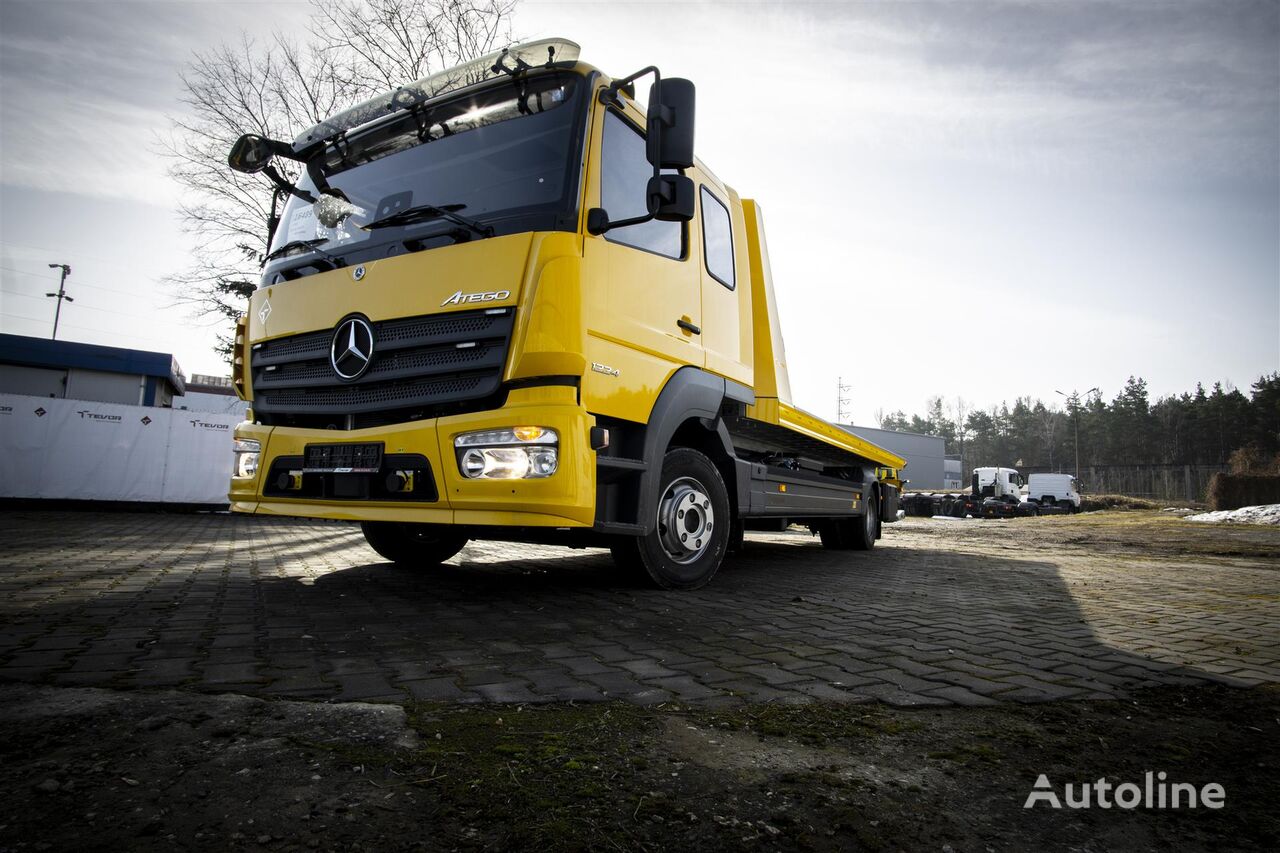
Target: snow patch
[[1266, 514]]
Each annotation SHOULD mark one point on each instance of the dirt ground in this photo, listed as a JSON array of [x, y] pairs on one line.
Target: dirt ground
[[1105, 534], [104, 769], [89, 769]]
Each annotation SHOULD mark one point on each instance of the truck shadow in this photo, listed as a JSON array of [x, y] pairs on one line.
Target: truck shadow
[[782, 620], [230, 606]]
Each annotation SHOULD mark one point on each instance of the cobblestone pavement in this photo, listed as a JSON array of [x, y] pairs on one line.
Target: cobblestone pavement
[[279, 607]]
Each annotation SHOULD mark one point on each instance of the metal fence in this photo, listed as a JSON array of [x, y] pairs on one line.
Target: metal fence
[[1158, 482]]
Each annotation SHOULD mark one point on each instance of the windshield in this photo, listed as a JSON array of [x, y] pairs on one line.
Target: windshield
[[506, 157]]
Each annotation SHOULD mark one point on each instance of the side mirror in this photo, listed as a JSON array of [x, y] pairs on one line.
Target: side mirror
[[671, 198], [671, 122], [668, 145], [251, 154]]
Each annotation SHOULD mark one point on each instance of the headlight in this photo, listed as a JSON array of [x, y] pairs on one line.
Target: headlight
[[246, 451], [517, 453]]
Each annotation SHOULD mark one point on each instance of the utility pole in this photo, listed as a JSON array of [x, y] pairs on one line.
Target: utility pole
[[1073, 403], [61, 295], [842, 402]]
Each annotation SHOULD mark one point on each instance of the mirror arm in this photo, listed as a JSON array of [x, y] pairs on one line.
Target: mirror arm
[[598, 224], [316, 172], [627, 84], [273, 218], [284, 186]]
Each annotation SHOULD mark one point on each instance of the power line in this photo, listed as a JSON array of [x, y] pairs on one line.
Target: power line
[[89, 329], [55, 278], [27, 272], [74, 254], [138, 315]]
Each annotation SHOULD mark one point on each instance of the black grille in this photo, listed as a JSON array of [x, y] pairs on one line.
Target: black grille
[[421, 367]]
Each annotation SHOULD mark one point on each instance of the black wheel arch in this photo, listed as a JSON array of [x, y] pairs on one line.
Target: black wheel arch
[[688, 413]]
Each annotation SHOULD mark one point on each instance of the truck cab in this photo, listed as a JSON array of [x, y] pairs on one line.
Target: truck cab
[[997, 493], [1002, 483], [508, 302]]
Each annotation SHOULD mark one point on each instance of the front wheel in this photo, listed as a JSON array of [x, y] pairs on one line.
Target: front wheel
[[413, 544], [692, 530]]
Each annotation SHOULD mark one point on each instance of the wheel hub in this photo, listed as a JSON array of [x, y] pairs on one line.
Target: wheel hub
[[685, 520]]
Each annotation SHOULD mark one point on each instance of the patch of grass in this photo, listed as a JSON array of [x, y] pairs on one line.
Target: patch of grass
[[816, 724], [968, 754], [1093, 503], [550, 778]]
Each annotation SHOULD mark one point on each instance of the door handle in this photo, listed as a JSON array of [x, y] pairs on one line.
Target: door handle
[[688, 326]]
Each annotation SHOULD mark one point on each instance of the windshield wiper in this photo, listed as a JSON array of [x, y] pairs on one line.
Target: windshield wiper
[[427, 212], [313, 245]]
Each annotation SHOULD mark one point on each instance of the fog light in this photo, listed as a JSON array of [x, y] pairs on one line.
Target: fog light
[[246, 457], [518, 453]]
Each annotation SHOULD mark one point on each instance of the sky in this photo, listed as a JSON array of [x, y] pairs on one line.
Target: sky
[[978, 200]]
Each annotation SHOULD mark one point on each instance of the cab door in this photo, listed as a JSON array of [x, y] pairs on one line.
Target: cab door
[[641, 282]]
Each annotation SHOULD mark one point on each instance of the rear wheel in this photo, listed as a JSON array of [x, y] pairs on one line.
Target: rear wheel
[[692, 528], [852, 534], [413, 544]]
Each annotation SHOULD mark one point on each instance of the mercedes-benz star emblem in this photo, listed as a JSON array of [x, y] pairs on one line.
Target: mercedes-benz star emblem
[[352, 348], [358, 272]]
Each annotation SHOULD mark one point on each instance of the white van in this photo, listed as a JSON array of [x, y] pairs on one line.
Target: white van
[[1054, 490]]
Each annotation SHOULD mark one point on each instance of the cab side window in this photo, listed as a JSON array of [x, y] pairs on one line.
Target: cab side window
[[624, 180], [717, 239]]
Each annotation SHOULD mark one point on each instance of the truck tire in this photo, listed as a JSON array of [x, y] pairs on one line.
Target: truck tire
[[852, 534], [412, 544], [693, 527]]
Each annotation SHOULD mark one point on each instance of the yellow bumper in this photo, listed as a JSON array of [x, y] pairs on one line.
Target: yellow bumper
[[565, 499]]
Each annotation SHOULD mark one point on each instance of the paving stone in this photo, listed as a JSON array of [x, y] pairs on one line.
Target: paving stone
[[509, 691], [961, 696], [231, 673], [288, 607]]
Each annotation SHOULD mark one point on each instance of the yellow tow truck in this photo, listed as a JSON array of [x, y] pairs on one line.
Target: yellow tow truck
[[508, 302]]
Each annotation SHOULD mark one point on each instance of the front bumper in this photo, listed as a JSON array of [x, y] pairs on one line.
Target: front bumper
[[565, 499]]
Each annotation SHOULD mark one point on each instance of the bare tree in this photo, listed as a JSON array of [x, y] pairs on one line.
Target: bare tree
[[878, 414], [960, 412], [279, 87], [1049, 419]]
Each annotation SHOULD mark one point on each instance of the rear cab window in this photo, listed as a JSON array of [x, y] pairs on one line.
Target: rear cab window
[[717, 239]]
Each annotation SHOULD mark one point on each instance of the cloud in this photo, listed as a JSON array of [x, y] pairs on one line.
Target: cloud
[[86, 87]]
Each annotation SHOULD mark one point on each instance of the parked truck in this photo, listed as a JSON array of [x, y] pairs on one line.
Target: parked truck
[[994, 493], [1054, 492], [508, 302]]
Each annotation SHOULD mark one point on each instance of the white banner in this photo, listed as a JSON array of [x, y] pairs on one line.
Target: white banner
[[77, 450]]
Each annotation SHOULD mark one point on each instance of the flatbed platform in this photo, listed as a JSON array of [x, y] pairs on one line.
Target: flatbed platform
[[770, 410]]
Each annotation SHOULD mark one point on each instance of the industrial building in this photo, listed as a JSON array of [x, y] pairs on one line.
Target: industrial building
[[926, 455], [37, 367]]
